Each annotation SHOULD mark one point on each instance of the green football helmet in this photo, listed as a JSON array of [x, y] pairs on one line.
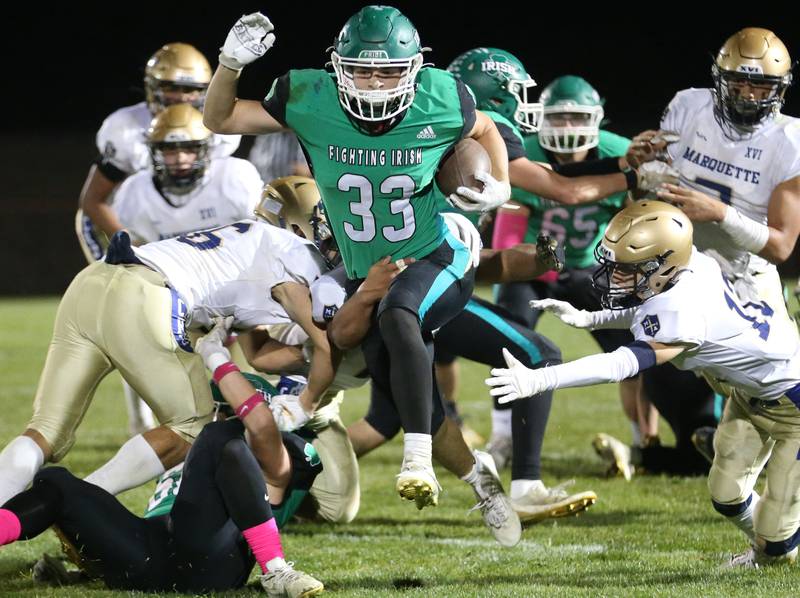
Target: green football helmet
[[377, 37], [499, 82], [573, 111]]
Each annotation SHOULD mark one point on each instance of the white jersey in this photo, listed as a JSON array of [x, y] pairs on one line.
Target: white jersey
[[740, 173], [230, 271], [122, 144], [731, 344], [230, 191]]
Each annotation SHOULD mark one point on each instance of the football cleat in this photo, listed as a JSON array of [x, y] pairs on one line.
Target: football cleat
[[417, 482], [542, 503], [753, 558], [703, 441], [288, 582], [744, 560], [616, 454], [51, 571], [494, 505], [501, 448]]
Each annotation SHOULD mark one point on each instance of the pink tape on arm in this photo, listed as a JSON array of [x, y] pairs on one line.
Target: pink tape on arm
[[264, 541], [509, 229]]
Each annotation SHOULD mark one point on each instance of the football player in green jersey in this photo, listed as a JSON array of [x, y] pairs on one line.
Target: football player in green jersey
[[374, 131]]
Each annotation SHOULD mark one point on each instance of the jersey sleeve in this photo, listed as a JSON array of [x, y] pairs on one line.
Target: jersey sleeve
[[277, 98], [676, 115], [514, 146], [328, 295], [668, 324], [114, 160], [791, 165], [467, 102], [130, 213], [223, 146], [247, 188]]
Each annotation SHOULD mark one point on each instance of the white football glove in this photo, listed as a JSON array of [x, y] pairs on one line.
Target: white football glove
[[248, 40], [288, 412], [516, 382], [463, 230], [211, 347], [495, 193], [577, 318], [654, 174]]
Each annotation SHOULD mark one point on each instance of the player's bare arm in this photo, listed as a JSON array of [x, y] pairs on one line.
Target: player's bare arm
[[269, 355], [485, 132], [94, 201], [353, 320], [534, 178], [522, 262], [296, 300], [248, 40]]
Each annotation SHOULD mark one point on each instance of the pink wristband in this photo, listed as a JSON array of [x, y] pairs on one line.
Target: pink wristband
[[224, 370], [245, 408]]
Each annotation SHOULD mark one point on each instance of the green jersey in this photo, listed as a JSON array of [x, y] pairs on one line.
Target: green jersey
[[378, 190], [578, 228], [514, 147]]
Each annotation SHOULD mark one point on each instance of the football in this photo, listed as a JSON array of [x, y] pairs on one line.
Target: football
[[458, 167]]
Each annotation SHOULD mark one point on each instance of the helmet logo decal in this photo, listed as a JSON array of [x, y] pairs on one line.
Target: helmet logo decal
[[488, 66], [750, 68], [606, 252], [374, 54], [651, 325]]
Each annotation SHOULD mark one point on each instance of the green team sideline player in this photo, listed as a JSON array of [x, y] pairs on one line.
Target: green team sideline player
[[374, 131]]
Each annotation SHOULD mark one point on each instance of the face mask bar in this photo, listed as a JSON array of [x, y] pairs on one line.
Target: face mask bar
[[371, 105], [528, 114], [570, 139], [623, 285], [175, 183], [157, 93]]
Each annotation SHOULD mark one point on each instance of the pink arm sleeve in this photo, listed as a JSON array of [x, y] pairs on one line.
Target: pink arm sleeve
[[509, 229]]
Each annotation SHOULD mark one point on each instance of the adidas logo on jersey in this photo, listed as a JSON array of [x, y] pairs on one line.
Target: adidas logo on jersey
[[426, 133]]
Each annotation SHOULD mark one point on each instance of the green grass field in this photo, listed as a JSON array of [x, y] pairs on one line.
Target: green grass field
[[655, 536]]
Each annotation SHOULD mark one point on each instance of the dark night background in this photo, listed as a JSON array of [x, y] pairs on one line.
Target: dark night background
[[69, 67]]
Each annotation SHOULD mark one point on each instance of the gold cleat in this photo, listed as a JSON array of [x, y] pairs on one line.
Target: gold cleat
[[543, 503], [417, 482]]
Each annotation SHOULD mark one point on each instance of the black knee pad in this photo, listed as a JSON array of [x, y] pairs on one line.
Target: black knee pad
[[215, 435], [397, 323]]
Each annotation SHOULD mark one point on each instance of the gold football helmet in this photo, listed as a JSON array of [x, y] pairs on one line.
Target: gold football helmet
[[644, 247], [751, 74], [294, 203], [176, 131], [176, 73]]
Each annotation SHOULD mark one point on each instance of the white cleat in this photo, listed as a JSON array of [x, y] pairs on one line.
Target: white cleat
[[417, 481], [501, 448], [616, 454], [542, 503], [755, 559], [288, 582], [494, 505]]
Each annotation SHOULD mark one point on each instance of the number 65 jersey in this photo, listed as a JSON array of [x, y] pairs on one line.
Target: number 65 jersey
[[231, 271], [740, 173], [730, 343]]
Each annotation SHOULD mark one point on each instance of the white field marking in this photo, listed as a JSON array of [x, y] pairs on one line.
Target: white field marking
[[526, 545]]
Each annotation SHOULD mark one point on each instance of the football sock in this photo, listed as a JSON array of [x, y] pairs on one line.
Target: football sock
[[417, 447], [636, 434], [10, 527], [19, 462], [501, 422], [520, 488], [134, 464], [264, 541], [744, 520]]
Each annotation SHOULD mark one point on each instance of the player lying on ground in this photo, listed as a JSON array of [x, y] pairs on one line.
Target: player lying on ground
[[679, 308], [219, 524]]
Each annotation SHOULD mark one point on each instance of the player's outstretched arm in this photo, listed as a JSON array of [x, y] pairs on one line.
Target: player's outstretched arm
[[269, 355], [249, 39], [580, 318], [517, 381], [250, 406], [522, 262], [351, 323], [296, 300]]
